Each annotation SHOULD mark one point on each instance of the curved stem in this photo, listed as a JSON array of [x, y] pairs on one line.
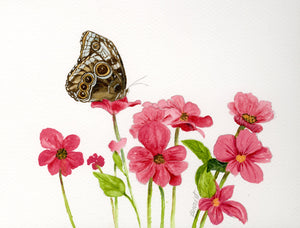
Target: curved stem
[[66, 201], [131, 201], [149, 203], [196, 219], [162, 214], [117, 133], [203, 219]]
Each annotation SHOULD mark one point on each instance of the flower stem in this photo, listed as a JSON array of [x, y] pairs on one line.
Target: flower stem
[[203, 219], [111, 202], [196, 219], [162, 215], [172, 222], [66, 201], [117, 133], [241, 127], [149, 203], [131, 201], [224, 178]]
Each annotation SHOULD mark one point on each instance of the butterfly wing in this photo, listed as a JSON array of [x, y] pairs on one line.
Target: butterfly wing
[[99, 73]]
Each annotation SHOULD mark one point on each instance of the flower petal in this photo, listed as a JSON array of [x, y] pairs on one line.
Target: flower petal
[[235, 209], [225, 148], [105, 104], [161, 176], [71, 142], [204, 204], [215, 215], [176, 167], [155, 137], [117, 146], [51, 139], [262, 156], [246, 103], [251, 172], [175, 180], [264, 112], [247, 142], [75, 159], [46, 157], [54, 166], [233, 167], [253, 127], [139, 153], [205, 121], [177, 102], [144, 175], [65, 167], [191, 109], [226, 193], [175, 153]]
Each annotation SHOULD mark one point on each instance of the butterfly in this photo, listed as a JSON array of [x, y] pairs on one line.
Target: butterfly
[[99, 73]]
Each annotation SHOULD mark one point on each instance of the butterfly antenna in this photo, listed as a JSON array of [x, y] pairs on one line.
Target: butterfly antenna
[[136, 82]]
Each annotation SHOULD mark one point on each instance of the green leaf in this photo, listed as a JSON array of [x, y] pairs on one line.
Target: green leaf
[[198, 149], [214, 164], [112, 186], [205, 182], [118, 161]]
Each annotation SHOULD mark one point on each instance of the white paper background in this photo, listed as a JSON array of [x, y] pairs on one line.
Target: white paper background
[[204, 50]]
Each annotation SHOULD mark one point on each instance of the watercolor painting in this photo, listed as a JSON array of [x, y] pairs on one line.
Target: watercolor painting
[[150, 114]]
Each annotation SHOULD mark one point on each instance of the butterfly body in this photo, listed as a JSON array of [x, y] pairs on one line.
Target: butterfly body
[[99, 73]]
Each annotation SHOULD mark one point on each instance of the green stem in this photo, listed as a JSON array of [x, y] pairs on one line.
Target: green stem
[[216, 175], [196, 219], [203, 219], [117, 133], [149, 203], [162, 214], [224, 178], [172, 222], [66, 201], [111, 202], [131, 201], [241, 127]]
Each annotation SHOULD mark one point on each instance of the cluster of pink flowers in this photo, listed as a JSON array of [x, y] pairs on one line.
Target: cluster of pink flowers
[[165, 165]]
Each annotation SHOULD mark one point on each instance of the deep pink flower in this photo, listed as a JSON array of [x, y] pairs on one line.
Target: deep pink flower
[[114, 107], [154, 160], [184, 115], [96, 160], [248, 111], [147, 115], [242, 153], [117, 146], [219, 203], [60, 153]]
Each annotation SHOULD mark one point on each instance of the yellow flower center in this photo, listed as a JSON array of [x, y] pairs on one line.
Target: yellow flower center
[[159, 159], [216, 202], [184, 116], [61, 154], [240, 158], [248, 118]]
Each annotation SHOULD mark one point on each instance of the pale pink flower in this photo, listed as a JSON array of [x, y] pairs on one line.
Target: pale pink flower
[[114, 107], [242, 154], [219, 203], [96, 161], [154, 160], [147, 115], [60, 154], [185, 115], [117, 146], [248, 111]]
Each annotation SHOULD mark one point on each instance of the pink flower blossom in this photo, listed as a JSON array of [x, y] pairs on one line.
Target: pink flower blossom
[[185, 115], [117, 146], [60, 155], [219, 203], [154, 160], [248, 111], [242, 153], [114, 107], [96, 161], [147, 115]]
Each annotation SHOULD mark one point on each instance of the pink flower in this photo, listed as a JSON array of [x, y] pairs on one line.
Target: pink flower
[[96, 161], [60, 155], [219, 203], [114, 107], [242, 153], [154, 160], [184, 115], [248, 111], [117, 146], [147, 115]]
